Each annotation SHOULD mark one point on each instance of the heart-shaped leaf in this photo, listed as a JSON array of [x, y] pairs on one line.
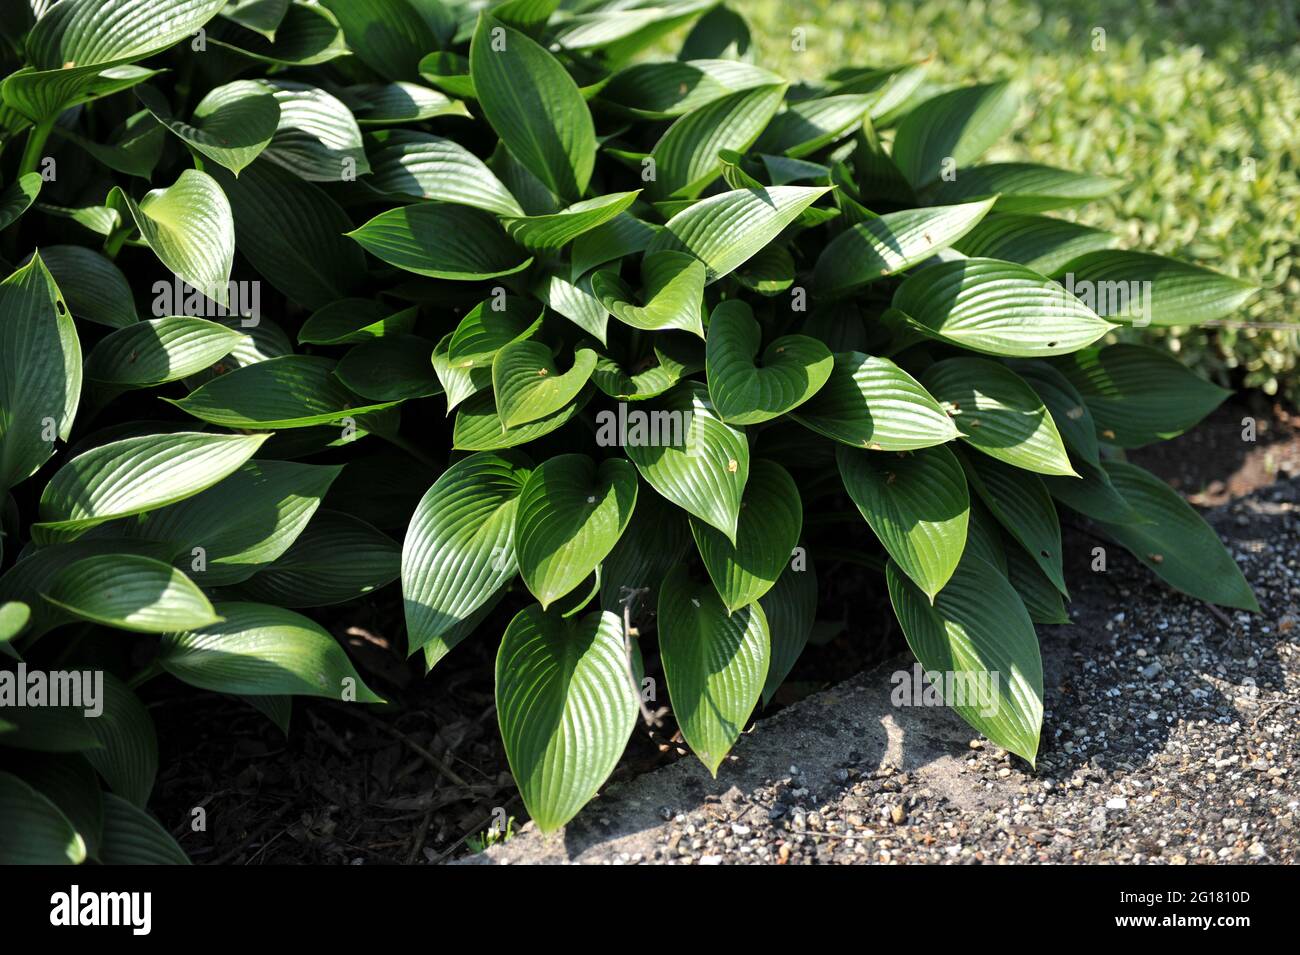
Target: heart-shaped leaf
[[870, 402], [771, 518], [997, 412], [794, 367], [705, 475], [459, 549], [571, 513], [998, 308], [527, 384], [478, 427], [715, 663], [565, 708], [190, 228], [917, 503], [673, 292], [977, 644]]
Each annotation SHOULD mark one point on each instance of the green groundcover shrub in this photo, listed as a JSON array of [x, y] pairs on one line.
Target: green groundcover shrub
[[594, 356]]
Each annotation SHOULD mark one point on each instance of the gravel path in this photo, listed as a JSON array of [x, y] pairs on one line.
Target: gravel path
[[1170, 737]]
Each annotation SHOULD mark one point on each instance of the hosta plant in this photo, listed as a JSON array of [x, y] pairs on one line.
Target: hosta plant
[[612, 360]]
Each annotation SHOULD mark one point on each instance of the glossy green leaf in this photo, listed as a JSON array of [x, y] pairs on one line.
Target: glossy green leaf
[[870, 402], [668, 89], [916, 503], [258, 650], [978, 635], [571, 513], [135, 475], [534, 106], [528, 385], [673, 289], [715, 663], [40, 371], [190, 227], [565, 707], [957, 126], [127, 592], [1138, 394], [294, 391], [424, 166], [555, 230], [389, 36], [231, 125], [809, 125], [998, 308], [705, 472], [1041, 243], [317, 137], [158, 351], [459, 549], [793, 368], [1022, 187], [478, 427], [996, 411], [441, 241], [726, 230], [771, 518], [352, 320], [890, 243]]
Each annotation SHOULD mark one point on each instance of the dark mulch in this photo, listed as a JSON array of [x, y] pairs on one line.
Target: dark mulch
[[421, 779]]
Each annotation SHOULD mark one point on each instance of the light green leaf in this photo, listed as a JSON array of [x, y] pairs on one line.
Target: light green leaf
[[771, 518], [978, 634], [1175, 543], [441, 241], [793, 369], [705, 474], [459, 549], [534, 106], [14, 615], [190, 227], [571, 513], [917, 503], [231, 125], [158, 351], [553, 231], [715, 663], [528, 385], [40, 371], [135, 475], [726, 230], [317, 138], [674, 359], [997, 412], [128, 592], [479, 428], [870, 402], [998, 308], [890, 243], [673, 293], [565, 708], [307, 36], [424, 166], [258, 650]]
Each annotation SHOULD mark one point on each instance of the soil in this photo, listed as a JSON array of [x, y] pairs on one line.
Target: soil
[[419, 781]]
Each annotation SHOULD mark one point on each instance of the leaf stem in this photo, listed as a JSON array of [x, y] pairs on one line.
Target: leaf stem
[[36, 140]]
